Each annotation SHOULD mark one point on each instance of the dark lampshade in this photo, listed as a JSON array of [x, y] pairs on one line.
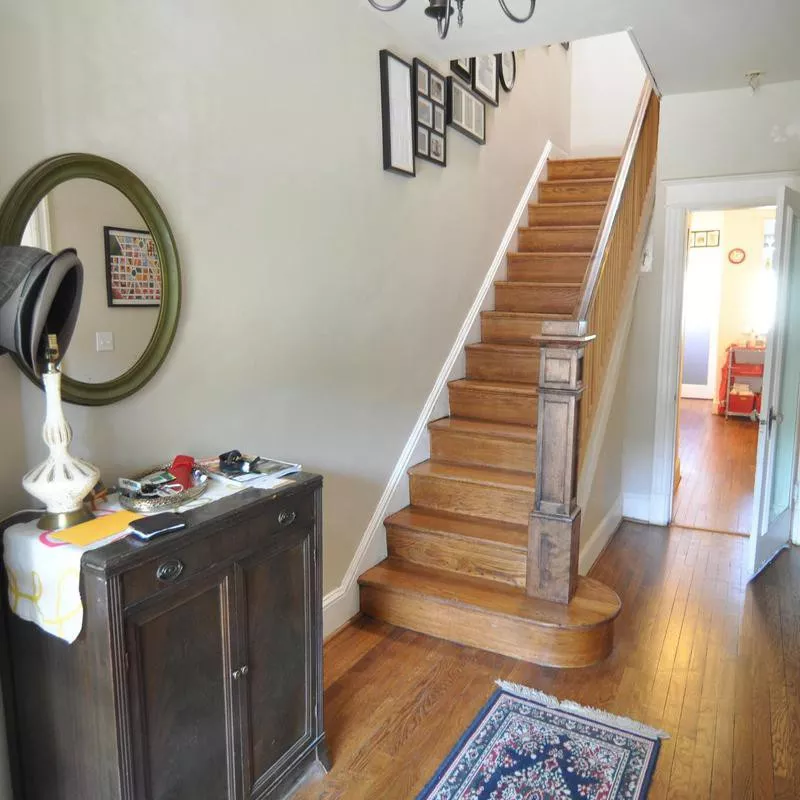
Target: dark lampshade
[[40, 294]]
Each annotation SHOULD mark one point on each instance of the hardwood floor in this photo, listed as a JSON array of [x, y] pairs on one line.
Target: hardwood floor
[[718, 470], [700, 654]]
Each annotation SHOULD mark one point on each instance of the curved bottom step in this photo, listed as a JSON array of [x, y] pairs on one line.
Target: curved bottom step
[[491, 616]]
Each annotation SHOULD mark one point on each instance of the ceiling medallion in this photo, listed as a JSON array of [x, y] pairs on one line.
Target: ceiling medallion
[[442, 10]]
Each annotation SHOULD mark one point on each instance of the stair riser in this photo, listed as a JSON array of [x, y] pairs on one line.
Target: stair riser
[[537, 299], [544, 269], [509, 330], [558, 240], [483, 451], [462, 556], [494, 406], [471, 499], [505, 367], [565, 215], [574, 192], [539, 644], [578, 169]]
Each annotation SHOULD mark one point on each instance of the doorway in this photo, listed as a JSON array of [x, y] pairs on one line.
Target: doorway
[[729, 294]]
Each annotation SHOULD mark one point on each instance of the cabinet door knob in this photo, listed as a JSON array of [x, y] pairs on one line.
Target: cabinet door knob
[[245, 670], [237, 674], [287, 517], [170, 570]]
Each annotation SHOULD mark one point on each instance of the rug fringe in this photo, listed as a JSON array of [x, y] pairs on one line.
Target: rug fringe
[[625, 723]]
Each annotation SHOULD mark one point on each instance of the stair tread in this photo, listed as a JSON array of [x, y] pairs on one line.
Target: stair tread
[[475, 427], [593, 159], [581, 181], [593, 603], [545, 254], [505, 534], [570, 204], [540, 283], [485, 476], [543, 315], [530, 389], [559, 228], [502, 348]]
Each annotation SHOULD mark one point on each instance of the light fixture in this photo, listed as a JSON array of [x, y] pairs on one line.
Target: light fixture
[[442, 10], [40, 294]]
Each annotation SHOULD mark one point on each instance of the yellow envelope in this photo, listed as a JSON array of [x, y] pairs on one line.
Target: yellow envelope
[[97, 529]]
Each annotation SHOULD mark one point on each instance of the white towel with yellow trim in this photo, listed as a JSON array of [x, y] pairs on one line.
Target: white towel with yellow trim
[[44, 573]]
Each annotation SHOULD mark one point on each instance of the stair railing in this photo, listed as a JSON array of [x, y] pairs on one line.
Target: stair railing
[[571, 373]]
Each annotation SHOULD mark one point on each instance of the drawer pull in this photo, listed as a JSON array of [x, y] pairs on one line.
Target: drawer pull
[[169, 570], [287, 517]]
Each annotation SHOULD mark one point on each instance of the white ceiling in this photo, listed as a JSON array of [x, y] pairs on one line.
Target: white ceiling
[[691, 45]]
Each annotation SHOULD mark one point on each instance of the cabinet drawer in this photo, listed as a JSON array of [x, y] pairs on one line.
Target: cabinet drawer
[[241, 536]]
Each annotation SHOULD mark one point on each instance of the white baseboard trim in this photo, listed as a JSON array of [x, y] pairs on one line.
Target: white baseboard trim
[[600, 537], [342, 603], [636, 506]]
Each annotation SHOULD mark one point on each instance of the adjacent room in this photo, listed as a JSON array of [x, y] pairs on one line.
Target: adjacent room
[[728, 308]]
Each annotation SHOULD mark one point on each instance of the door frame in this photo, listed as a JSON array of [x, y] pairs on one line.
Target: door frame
[[682, 198]]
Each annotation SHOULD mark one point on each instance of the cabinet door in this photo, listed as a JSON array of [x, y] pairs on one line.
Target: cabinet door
[[181, 685], [277, 649]]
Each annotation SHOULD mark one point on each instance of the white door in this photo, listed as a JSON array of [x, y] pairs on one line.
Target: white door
[[776, 470]]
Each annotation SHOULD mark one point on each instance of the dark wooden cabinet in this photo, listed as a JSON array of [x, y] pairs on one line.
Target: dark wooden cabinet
[[198, 673]]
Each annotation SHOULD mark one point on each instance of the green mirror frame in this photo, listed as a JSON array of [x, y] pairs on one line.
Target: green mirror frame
[[17, 209]]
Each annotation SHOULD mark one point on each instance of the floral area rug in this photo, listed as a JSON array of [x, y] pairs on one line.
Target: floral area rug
[[525, 745]]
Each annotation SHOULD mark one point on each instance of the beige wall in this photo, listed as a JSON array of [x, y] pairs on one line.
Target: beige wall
[[340, 288], [702, 135], [79, 210]]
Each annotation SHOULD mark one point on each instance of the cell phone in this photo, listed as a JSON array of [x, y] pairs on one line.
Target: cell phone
[[148, 527]]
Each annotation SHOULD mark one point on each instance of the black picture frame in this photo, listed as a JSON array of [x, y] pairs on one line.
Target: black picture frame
[[456, 116], [109, 232], [430, 114], [489, 93], [507, 81], [458, 69], [392, 95]]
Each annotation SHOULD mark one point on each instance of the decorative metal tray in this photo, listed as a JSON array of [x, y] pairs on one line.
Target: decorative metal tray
[[151, 505]]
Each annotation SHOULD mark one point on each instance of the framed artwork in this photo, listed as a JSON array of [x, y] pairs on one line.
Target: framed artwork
[[485, 82], [466, 111], [713, 239], [397, 115], [430, 105], [704, 238], [462, 67], [133, 270], [700, 238], [507, 69]]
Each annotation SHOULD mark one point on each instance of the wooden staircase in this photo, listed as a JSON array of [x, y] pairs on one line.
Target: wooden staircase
[[457, 555]]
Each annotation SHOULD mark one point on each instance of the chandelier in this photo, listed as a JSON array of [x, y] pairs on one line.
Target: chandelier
[[442, 10]]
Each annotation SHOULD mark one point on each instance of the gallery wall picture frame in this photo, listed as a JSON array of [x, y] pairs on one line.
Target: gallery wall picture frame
[[398, 114], [466, 111], [133, 270], [462, 67], [485, 79], [507, 69], [430, 109], [704, 238]]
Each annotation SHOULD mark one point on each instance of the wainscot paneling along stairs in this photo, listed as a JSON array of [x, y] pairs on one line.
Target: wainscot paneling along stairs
[[458, 554]]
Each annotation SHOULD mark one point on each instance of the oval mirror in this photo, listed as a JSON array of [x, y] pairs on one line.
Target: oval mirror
[[131, 286]]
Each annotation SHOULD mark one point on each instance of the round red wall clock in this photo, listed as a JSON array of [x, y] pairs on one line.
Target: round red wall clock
[[737, 255]]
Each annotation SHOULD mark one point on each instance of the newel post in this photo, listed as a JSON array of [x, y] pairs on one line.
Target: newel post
[[555, 523]]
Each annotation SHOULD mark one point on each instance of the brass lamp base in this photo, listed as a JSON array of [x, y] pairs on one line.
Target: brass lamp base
[[64, 519]]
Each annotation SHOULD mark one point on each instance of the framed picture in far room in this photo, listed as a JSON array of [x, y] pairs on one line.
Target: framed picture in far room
[[133, 273], [466, 112], [485, 80], [430, 104], [507, 69], [397, 111], [462, 67]]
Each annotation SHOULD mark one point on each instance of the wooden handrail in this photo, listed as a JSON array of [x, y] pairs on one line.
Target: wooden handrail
[[595, 270]]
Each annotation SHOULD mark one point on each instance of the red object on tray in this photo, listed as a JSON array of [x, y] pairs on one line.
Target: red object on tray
[[182, 470]]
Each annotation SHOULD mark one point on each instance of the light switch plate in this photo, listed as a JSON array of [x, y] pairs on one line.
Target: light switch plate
[[105, 341]]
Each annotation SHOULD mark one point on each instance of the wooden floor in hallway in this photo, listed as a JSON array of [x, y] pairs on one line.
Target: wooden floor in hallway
[[718, 470], [701, 654]]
